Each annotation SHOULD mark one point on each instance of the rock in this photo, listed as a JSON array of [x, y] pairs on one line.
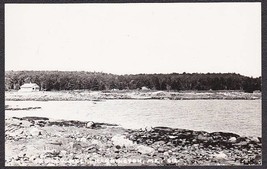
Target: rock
[[251, 146], [39, 161], [121, 141], [25, 123], [22, 154], [254, 139], [94, 141], [131, 148], [59, 143], [63, 153], [159, 143], [202, 137], [90, 124], [160, 150], [232, 139], [166, 154], [71, 144], [118, 147], [243, 143], [83, 140], [195, 145], [34, 131], [172, 137], [32, 158], [240, 139], [92, 148], [15, 133], [245, 161], [145, 149], [13, 163], [116, 150], [169, 144], [77, 146], [148, 128], [52, 153], [221, 156]]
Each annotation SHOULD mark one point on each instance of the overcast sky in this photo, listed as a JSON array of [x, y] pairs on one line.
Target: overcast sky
[[134, 38]]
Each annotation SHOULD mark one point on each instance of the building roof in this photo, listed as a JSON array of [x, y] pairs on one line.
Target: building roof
[[29, 85]]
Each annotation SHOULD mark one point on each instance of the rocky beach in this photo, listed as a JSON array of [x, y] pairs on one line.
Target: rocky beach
[[86, 95], [37, 141]]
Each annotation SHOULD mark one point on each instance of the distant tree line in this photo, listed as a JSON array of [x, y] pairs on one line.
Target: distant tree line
[[76, 80]]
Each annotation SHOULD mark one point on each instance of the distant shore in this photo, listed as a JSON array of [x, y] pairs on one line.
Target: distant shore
[[39, 141], [85, 95]]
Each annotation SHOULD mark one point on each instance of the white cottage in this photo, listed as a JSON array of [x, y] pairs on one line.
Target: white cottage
[[29, 87]]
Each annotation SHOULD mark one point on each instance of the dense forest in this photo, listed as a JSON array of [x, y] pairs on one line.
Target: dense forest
[[75, 80]]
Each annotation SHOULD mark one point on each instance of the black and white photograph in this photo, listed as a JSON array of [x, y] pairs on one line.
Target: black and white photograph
[[133, 84]]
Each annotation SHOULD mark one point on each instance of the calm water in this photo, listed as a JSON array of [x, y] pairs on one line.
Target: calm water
[[239, 116]]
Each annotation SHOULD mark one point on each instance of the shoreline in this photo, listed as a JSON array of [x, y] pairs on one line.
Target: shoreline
[[85, 95], [37, 141]]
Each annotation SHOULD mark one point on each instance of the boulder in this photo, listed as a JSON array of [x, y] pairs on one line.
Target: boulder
[[96, 142], [202, 137], [148, 128], [25, 123], [77, 146], [232, 139], [63, 153], [161, 150], [121, 141], [32, 158], [145, 150], [15, 133], [172, 137], [83, 139], [34, 131], [166, 154], [159, 143], [90, 124], [221, 156], [254, 139], [92, 148], [242, 143]]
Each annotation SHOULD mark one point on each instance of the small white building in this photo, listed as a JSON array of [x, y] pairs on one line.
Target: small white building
[[29, 87]]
